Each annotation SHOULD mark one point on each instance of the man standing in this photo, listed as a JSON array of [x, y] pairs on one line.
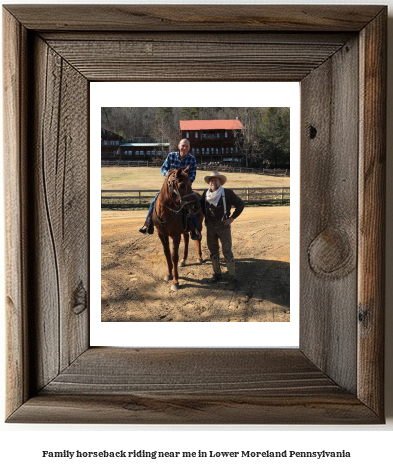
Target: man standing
[[216, 205], [175, 160]]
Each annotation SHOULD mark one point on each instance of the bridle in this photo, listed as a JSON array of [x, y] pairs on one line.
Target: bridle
[[173, 187]]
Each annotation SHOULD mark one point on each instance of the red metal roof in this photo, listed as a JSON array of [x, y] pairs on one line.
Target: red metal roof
[[233, 124]]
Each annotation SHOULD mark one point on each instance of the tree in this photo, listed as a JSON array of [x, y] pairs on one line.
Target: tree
[[162, 126], [274, 131], [248, 140], [190, 113]]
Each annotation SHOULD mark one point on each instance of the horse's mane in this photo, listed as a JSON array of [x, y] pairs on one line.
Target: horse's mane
[[168, 176], [174, 170], [170, 172]]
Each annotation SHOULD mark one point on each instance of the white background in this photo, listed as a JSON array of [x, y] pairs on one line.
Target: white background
[[370, 446]]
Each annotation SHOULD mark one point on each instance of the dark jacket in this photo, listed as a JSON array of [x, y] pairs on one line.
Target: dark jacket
[[216, 213]]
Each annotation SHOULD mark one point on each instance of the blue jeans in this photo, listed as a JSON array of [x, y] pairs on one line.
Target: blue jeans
[[195, 221], [194, 217], [151, 206]]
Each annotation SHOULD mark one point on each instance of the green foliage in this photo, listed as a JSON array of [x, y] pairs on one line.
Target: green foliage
[[190, 113], [274, 132], [163, 113]]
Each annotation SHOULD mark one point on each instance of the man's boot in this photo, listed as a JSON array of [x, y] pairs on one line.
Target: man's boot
[[232, 282], [216, 269], [148, 227]]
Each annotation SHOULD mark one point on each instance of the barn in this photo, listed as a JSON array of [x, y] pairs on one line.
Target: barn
[[214, 140]]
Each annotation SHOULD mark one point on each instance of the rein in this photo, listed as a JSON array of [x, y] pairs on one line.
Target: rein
[[176, 191], [183, 203]]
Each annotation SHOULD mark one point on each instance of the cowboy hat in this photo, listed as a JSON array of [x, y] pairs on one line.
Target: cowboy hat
[[215, 174]]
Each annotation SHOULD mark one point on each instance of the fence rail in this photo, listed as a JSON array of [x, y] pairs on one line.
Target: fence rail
[[135, 164], [202, 166], [143, 197], [241, 169]]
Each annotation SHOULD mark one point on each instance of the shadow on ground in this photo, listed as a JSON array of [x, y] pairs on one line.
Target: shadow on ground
[[263, 292]]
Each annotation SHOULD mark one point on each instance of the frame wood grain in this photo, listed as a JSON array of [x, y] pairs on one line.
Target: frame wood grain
[[338, 54]]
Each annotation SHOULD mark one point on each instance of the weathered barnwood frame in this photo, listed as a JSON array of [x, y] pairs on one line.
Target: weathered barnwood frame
[[338, 54]]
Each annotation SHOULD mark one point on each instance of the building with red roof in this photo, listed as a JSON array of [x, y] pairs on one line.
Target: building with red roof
[[214, 140]]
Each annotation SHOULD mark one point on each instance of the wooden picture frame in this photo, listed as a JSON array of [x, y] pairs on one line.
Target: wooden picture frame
[[338, 54]]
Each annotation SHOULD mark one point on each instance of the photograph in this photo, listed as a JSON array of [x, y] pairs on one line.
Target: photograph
[[195, 214]]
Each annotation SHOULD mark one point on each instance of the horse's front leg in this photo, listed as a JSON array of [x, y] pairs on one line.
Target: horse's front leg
[[175, 261], [198, 248], [167, 252], [198, 243], [186, 239]]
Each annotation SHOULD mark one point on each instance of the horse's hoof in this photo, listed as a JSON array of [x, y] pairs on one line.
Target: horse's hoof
[[168, 278], [182, 263], [199, 260], [175, 286]]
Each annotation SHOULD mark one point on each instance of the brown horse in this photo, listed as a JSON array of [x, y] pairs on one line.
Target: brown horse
[[173, 209]]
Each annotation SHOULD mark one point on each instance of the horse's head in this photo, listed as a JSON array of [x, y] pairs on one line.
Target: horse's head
[[179, 187]]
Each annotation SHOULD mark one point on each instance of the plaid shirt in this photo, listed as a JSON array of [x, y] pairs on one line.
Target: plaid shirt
[[173, 161]]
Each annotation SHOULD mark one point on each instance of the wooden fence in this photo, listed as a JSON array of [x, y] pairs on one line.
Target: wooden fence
[[204, 167], [143, 197], [134, 164], [241, 169]]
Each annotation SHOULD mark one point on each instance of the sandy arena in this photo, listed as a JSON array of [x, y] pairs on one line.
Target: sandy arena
[[134, 267]]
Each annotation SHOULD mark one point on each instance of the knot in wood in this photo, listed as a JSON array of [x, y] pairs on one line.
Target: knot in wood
[[313, 132], [363, 315], [80, 299], [330, 254]]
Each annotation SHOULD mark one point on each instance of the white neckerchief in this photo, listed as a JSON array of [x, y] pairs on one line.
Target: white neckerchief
[[212, 197]]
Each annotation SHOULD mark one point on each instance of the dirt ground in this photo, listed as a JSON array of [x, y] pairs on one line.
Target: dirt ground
[[134, 267]]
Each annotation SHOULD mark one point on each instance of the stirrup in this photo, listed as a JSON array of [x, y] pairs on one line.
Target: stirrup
[[148, 226], [195, 235], [147, 229]]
